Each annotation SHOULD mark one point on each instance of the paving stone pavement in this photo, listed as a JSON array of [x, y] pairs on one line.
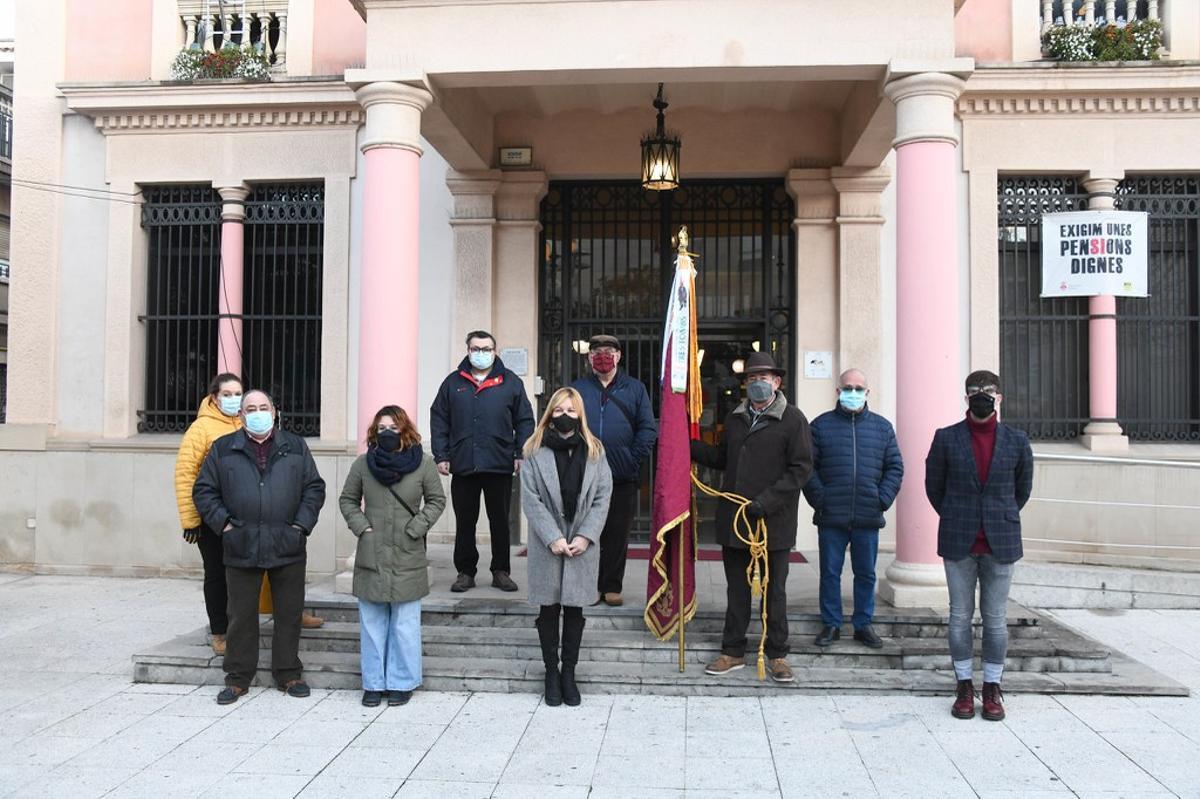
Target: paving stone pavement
[[73, 725]]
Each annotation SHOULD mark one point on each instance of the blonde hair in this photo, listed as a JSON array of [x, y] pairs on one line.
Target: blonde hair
[[594, 447]]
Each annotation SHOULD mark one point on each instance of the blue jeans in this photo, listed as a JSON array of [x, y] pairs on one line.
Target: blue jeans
[[994, 580], [864, 544], [390, 634]]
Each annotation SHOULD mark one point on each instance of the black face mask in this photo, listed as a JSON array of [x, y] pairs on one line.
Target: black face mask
[[388, 440], [982, 405], [565, 424]]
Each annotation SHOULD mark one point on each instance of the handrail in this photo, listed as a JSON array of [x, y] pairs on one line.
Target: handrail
[[1054, 456]]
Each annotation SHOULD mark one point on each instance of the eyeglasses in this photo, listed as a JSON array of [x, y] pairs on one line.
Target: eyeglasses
[[481, 349], [859, 389], [989, 390]]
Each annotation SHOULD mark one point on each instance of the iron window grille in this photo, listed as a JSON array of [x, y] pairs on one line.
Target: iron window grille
[[1043, 342], [282, 283], [1158, 337], [183, 224], [284, 258]]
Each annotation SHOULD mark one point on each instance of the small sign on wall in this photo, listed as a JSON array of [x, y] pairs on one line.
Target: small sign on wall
[[818, 365], [516, 359], [1089, 253], [516, 156]]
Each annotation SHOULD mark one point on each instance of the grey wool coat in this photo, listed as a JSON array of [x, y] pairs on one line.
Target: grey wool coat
[[555, 579], [390, 563]]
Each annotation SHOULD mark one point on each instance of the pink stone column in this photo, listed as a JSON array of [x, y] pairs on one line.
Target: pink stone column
[[389, 313], [928, 327], [1102, 432], [230, 343]]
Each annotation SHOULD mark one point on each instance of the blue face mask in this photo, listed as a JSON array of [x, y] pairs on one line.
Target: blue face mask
[[230, 406], [760, 391], [259, 422], [852, 400], [482, 360]]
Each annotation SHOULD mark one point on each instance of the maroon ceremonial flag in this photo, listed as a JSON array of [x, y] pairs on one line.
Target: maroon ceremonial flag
[[671, 581]]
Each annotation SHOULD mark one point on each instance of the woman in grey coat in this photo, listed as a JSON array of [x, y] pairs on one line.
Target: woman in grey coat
[[565, 488], [391, 498]]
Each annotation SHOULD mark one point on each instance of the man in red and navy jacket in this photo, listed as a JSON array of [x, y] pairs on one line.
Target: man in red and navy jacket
[[479, 422]]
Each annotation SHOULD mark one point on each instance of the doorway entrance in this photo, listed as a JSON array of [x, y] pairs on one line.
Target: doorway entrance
[[606, 264]]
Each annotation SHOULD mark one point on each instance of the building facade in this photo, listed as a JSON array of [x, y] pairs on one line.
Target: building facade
[[863, 183]]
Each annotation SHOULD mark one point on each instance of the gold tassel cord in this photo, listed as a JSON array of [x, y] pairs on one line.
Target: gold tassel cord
[[754, 536]]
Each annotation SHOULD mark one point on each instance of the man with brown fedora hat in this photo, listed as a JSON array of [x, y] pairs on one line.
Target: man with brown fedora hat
[[766, 454]]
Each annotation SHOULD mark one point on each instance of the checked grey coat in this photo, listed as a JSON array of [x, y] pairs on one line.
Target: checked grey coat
[[555, 579]]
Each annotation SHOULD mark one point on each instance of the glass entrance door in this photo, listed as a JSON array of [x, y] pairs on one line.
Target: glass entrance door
[[607, 261]]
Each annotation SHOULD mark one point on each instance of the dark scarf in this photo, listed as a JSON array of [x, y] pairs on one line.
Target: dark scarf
[[390, 467], [570, 458]]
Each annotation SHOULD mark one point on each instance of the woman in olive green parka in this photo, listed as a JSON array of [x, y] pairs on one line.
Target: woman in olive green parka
[[392, 496]]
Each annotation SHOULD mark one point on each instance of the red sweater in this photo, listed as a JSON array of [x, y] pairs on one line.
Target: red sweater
[[983, 444]]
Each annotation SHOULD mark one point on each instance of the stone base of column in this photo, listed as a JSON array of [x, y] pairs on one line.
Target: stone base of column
[[343, 581], [1104, 437], [914, 585]]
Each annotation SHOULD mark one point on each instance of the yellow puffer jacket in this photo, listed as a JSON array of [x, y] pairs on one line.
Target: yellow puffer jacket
[[210, 425]]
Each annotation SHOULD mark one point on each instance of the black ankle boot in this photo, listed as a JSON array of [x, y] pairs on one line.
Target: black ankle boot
[[570, 691], [572, 636], [548, 636]]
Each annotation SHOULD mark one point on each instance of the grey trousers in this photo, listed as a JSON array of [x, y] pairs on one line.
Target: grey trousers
[[993, 580]]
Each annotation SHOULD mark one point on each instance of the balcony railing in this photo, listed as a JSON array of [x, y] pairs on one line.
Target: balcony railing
[[1069, 12], [264, 27], [6, 129]]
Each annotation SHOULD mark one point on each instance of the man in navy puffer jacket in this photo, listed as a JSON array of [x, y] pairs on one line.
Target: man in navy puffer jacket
[[856, 476]]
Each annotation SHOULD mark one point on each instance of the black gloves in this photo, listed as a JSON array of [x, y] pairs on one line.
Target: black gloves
[[192, 535], [755, 510]]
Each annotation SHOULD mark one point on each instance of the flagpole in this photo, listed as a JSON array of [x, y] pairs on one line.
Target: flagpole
[[680, 606]]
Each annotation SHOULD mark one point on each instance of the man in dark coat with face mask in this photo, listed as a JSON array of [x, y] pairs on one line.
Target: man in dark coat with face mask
[[620, 414], [478, 423], [766, 453]]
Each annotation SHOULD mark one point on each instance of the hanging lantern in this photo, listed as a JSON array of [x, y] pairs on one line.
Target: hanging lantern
[[660, 153]]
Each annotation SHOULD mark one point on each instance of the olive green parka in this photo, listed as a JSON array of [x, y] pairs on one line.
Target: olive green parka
[[390, 563]]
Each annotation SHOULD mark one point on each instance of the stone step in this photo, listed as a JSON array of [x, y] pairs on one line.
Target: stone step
[[630, 646], [517, 614], [187, 662]]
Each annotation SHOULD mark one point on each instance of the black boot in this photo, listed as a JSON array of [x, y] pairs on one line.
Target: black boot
[[548, 635], [572, 635]]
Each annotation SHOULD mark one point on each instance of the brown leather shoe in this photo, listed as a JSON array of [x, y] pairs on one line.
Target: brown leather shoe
[[780, 671], [502, 581], [614, 599], [310, 622], [218, 644], [993, 702], [964, 700], [724, 664]]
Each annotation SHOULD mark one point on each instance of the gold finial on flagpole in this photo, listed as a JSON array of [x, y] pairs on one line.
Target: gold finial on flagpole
[[684, 240]]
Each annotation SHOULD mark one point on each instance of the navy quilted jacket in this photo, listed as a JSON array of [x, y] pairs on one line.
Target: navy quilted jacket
[[626, 444], [964, 505], [856, 469]]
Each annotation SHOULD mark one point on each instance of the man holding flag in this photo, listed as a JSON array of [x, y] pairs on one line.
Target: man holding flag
[[766, 454]]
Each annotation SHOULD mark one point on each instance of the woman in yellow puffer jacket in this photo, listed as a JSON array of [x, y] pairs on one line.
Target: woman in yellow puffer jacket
[[218, 416]]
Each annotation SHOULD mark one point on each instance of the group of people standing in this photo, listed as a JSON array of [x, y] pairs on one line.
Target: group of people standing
[[847, 463], [249, 495]]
